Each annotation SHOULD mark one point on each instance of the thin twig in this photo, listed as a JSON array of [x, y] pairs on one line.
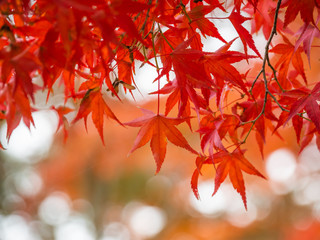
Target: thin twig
[[183, 7], [146, 19], [157, 65], [266, 53], [164, 37], [263, 72]]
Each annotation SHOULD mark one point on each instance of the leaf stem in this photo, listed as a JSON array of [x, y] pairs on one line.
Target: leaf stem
[[157, 65], [165, 37], [146, 19], [245, 139], [158, 107], [183, 7], [154, 49]]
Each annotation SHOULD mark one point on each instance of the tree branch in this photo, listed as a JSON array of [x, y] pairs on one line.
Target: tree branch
[[266, 60]]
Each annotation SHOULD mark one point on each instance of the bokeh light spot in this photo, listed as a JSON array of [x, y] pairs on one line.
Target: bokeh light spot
[[15, 227], [281, 165], [27, 145], [147, 221], [116, 231], [28, 182], [75, 228], [208, 204], [55, 209]]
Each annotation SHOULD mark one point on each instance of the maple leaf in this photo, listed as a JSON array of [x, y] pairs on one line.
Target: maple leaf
[[20, 60], [304, 7], [219, 65], [233, 164], [310, 131], [15, 106], [214, 129], [263, 15], [194, 20], [66, 26], [117, 14], [190, 74], [309, 103], [52, 56], [63, 122], [252, 114], [252, 109], [200, 160], [94, 103], [307, 33], [289, 54], [158, 129], [246, 38], [237, 3], [126, 65], [297, 123], [181, 94], [206, 27]]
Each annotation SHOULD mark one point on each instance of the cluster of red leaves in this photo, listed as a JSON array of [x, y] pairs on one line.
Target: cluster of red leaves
[[95, 44]]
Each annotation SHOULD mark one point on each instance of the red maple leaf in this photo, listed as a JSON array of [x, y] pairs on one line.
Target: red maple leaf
[[263, 16], [200, 160], [308, 102], [190, 74], [309, 133], [214, 129], [233, 164], [304, 7], [158, 129], [307, 33], [199, 21], [193, 69], [297, 123], [237, 4], [219, 65], [63, 122], [289, 54], [15, 106], [246, 38], [94, 103]]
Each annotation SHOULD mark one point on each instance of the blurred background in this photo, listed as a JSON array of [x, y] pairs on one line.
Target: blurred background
[[82, 190]]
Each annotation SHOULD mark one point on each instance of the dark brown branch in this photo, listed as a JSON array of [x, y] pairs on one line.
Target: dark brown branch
[[266, 60]]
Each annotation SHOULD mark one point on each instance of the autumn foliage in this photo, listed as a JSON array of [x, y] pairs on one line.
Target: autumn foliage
[[92, 48]]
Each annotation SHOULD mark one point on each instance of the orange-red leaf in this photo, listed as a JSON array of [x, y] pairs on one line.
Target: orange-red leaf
[[233, 164], [304, 7], [246, 38], [200, 160], [205, 26], [94, 103], [63, 122], [289, 54], [158, 129], [309, 103], [307, 34]]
